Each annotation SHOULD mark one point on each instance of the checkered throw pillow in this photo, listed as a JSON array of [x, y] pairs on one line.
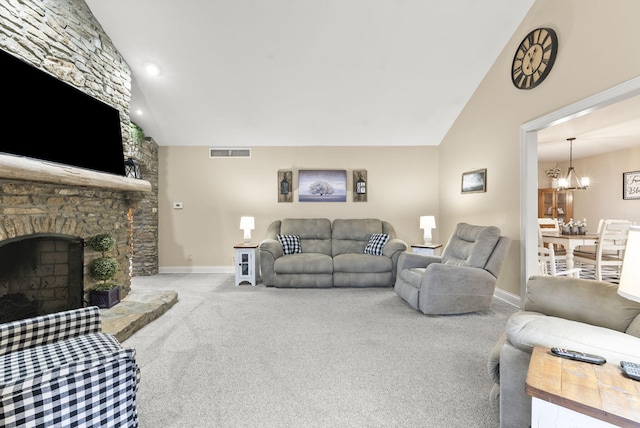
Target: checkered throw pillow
[[290, 244], [376, 244]]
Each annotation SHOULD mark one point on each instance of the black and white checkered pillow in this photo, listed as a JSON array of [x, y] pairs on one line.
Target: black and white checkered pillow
[[290, 244], [376, 244]]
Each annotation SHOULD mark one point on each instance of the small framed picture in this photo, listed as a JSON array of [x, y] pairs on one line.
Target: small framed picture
[[631, 185], [474, 181]]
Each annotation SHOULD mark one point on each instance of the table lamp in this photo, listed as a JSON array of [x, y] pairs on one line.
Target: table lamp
[[247, 224], [427, 222], [630, 276]]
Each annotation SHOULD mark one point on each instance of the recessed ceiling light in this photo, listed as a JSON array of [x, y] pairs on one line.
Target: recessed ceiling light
[[139, 112], [152, 69]]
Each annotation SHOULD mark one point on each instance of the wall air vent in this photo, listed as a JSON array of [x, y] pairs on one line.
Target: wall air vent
[[224, 152]]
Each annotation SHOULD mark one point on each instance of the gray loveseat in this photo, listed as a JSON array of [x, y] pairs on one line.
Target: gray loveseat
[[332, 254], [578, 314]]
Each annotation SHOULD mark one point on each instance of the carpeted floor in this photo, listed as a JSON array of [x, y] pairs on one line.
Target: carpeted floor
[[227, 356]]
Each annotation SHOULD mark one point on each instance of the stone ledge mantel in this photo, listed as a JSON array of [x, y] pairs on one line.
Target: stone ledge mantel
[[25, 169]]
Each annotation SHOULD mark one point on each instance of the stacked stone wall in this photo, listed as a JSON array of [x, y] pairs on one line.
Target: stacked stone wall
[[63, 38]]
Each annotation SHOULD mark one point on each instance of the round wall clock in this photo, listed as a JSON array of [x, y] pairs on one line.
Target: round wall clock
[[534, 58]]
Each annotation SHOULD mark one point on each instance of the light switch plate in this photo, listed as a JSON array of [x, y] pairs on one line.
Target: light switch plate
[[177, 205]]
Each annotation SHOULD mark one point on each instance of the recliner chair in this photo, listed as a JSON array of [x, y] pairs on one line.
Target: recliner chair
[[462, 280]]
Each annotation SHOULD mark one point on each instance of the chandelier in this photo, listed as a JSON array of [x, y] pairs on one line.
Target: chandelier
[[571, 180]]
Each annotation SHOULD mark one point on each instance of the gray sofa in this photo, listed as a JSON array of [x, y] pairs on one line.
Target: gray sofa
[[462, 280], [571, 313], [332, 254]]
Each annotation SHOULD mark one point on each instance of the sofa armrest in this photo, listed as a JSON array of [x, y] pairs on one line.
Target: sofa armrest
[[393, 247], [270, 250], [450, 279], [47, 329], [408, 260], [528, 329]]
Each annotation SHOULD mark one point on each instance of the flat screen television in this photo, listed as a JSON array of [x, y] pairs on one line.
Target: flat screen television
[[53, 121]]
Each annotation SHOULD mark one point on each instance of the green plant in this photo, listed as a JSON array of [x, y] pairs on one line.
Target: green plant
[[102, 243], [103, 268], [137, 134]]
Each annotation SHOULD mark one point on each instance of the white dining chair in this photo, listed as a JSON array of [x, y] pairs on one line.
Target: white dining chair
[[607, 259], [548, 264]]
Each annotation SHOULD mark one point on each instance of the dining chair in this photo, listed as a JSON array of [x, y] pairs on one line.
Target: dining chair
[[551, 264], [547, 224], [609, 254]]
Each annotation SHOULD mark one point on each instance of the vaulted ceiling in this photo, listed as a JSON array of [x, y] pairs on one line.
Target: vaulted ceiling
[[242, 73]]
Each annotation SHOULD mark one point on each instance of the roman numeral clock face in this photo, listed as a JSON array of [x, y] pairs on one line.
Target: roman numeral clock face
[[534, 58]]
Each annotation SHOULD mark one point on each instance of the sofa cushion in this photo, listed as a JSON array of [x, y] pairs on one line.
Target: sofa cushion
[[376, 244], [352, 235], [304, 263], [290, 244], [26, 362], [314, 233], [588, 301], [362, 263]]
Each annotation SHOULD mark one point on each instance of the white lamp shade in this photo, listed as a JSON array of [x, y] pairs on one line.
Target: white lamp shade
[[630, 276], [427, 222], [247, 223]]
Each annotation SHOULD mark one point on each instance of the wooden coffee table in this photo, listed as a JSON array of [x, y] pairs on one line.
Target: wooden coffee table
[[568, 393]]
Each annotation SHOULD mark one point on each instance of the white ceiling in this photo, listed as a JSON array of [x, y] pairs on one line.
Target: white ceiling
[[611, 128], [237, 73]]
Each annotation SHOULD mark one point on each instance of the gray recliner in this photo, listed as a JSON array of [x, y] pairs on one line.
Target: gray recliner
[[462, 280]]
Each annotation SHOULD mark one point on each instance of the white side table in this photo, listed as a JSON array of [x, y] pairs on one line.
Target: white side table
[[427, 249], [246, 259]]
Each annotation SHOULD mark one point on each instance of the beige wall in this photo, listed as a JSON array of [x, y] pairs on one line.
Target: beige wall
[[402, 185], [603, 199], [598, 50]]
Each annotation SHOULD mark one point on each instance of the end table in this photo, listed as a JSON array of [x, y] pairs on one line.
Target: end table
[[427, 249], [246, 260]]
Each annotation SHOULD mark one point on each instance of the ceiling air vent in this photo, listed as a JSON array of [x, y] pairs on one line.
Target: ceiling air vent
[[222, 152]]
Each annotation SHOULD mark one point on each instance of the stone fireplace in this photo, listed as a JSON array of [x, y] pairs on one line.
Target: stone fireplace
[[45, 221], [48, 211]]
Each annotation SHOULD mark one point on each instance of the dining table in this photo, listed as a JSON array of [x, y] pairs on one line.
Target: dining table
[[570, 242]]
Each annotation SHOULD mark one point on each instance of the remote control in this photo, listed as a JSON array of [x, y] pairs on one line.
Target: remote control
[[578, 356], [631, 369]]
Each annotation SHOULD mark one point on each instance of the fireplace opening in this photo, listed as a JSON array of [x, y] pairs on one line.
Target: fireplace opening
[[40, 275]]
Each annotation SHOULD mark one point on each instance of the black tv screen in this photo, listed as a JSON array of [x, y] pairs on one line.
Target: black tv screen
[[53, 121]]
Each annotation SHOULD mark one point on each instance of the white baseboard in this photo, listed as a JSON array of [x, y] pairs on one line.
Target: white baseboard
[[512, 299], [196, 269]]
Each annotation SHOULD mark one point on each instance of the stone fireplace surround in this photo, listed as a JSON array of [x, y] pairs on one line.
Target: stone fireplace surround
[[45, 220], [65, 204]]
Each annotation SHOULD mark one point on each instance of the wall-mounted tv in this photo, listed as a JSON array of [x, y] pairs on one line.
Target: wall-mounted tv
[[53, 121]]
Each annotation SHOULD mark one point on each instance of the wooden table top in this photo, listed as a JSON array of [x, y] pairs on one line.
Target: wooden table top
[[602, 392]]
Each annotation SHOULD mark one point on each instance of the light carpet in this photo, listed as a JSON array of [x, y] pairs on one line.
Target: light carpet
[[227, 356]]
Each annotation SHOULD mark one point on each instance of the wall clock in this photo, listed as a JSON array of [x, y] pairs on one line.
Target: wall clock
[[534, 58]]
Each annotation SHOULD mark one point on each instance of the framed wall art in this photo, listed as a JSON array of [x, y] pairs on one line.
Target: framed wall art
[[474, 181], [631, 185], [285, 186], [322, 185], [360, 185]]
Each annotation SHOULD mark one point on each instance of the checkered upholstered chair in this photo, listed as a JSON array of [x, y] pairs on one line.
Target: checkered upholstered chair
[[61, 370], [462, 280]]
